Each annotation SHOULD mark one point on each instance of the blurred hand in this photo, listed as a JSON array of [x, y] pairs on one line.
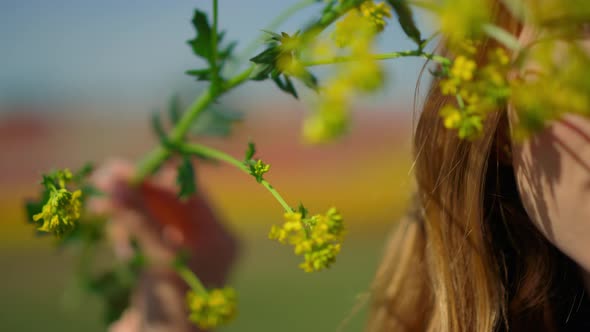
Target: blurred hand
[[163, 225]]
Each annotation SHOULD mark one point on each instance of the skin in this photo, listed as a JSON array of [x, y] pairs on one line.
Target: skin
[[552, 170]]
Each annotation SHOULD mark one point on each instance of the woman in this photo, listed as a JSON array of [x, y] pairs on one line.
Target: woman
[[499, 236], [497, 240]]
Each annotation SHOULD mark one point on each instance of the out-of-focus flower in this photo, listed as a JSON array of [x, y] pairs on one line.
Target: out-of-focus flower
[[210, 310], [462, 19], [463, 68], [376, 13], [353, 40], [451, 116], [560, 67]]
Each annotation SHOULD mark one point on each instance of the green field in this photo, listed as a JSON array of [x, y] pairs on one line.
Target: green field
[[274, 295]]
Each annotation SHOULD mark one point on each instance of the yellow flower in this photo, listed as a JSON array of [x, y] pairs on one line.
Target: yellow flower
[[290, 65], [316, 130], [452, 116], [316, 238], [354, 27], [463, 68], [376, 13], [330, 116], [462, 19], [291, 217], [303, 247], [366, 74], [213, 309], [320, 259], [61, 212], [288, 59], [277, 233], [499, 56], [360, 73], [258, 169], [330, 121], [449, 86], [322, 49]]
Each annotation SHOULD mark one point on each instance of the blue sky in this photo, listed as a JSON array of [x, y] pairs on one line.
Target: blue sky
[[135, 51]]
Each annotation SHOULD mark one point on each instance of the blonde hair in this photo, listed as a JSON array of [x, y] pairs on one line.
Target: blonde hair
[[466, 257]]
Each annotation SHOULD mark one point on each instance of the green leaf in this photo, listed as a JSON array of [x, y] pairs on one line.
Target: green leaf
[[158, 127], [90, 190], [216, 122], [261, 72], [406, 19], [160, 132], [83, 172], [175, 109], [250, 152], [226, 53], [267, 56], [286, 85], [309, 80], [202, 47], [200, 74], [201, 44], [186, 178], [48, 181], [301, 209], [32, 207]]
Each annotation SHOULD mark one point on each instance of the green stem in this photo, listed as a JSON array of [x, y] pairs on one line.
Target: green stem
[[156, 157], [214, 71], [383, 56], [190, 278], [425, 4], [460, 102], [207, 152]]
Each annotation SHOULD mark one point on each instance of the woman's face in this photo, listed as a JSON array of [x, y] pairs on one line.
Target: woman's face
[[552, 170]]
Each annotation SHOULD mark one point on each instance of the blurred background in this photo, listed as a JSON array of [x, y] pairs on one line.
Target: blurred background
[[78, 81]]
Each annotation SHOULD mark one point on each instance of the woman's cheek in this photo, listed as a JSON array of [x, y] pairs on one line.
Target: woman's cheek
[[552, 170]]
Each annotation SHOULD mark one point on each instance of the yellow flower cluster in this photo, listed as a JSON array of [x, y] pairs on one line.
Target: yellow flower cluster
[[62, 210], [462, 19], [477, 90], [562, 66], [316, 238], [212, 309], [354, 37], [363, 21], [260, 168], [557, 83], [376, 13]]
